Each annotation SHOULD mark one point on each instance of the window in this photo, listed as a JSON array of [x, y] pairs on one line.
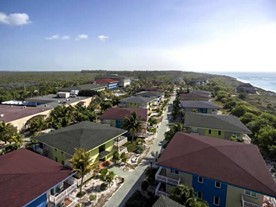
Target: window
[[174, 171], [210, 131], [250, 193], [219, 132], [199, 194], [216, 201], [200, 179], [62, 162], [56, 159], [217, 184]]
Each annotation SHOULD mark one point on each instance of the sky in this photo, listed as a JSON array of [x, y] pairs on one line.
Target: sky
[[190, 35]]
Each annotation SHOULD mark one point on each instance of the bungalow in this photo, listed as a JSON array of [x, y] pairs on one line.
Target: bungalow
[[98, 139], [218, 126], [222, 172], [206, 107], [115, 116], [158, 95], [199, 82], [194, 96], [108, 82], [246, 88], [137, 102], [30, 180], [18, 116]]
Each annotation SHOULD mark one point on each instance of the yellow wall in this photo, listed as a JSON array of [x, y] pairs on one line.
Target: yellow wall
[[94, 154], [109, 145], [233, 197], [20, 123]]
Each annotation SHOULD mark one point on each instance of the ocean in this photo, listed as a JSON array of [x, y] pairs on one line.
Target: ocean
[[266, 81]]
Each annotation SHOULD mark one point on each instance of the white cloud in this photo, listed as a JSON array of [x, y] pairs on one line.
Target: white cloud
[[103, 38], [53, 37], [65, 37], [14, 19], [82, 37]]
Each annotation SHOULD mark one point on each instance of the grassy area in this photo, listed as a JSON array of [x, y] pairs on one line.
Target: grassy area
[[131, 146]]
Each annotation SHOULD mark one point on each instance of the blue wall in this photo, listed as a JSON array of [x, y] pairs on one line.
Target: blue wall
[[112, 85], [118, 124], [208, 190], [41, 201]]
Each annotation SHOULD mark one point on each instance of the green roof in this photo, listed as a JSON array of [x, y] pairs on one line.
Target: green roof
[[164, 201], [211, 121], [87, 135]]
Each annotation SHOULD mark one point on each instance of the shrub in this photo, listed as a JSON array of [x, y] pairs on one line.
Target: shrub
[[92, 197], [103, 186], [145, 185]]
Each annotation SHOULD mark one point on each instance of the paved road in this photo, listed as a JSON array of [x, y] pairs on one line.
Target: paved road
[[134, 179]]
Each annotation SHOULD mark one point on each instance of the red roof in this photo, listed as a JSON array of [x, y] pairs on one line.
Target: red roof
[[11, 113], [231, 162], [106, 81], [25, 175], [121, 113]]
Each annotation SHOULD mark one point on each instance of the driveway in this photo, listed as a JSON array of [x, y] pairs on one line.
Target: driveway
[[134, 179]]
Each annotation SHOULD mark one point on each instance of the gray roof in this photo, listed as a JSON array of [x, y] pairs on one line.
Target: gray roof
[[52, 101], [137, 99], [150, 94], [83, 87], [164, 201], [212, 121], [85, 134], [199, 104]]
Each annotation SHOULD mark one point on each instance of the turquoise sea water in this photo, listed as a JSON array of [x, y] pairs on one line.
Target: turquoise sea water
[[266, 81]]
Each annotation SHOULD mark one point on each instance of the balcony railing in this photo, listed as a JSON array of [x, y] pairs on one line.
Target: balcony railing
[[246, 203], [56, 199], [120, 141], [159, 192], [165, 178]]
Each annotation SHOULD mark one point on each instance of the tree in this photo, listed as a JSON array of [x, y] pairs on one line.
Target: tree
[[8, 132], [185, 195], [177, 127], [133, 124], [267, 141], [81, 163], [37, 124]]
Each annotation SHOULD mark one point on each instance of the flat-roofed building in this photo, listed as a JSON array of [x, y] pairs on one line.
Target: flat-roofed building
[[18, 116]]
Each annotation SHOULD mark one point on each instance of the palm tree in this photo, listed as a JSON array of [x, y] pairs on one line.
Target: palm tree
[[133, 124], [81, 163], [185, 195]]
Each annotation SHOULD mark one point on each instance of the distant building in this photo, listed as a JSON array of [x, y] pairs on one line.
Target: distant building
[[199, 82], [115, 117], [224, 173], [98, 139], [28, 179], [123, 81], [206, 107], [108, 82], [74, 90], [194, 96], [53, 100], [246, 88], [18, 116], [218, 126], [137, 102], [158, 95]]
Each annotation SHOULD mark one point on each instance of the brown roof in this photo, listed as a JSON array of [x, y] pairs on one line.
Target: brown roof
[[11, 113], [231, 162], [25, 175], [121, 113]]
